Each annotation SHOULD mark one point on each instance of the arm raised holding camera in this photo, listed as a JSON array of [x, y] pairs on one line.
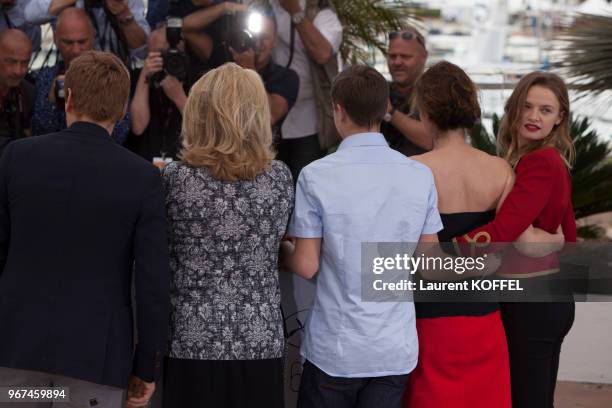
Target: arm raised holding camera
[[197, 20], [140, 112], [57, 6], [135, 36]]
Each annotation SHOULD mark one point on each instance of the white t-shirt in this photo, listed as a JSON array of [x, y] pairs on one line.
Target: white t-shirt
[[302, 118]]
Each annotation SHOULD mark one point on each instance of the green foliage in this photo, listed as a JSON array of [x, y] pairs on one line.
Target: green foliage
[[366, 23], [483, 140], [592, 171]]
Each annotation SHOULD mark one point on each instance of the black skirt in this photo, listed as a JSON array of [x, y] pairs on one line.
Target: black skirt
[[223, 383]]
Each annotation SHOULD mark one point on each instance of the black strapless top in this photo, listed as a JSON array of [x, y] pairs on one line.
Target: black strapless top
[[457, 224]]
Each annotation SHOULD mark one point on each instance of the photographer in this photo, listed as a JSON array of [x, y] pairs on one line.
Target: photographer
[[218, 22], [282, 84], [120, 25], [161, 93], [74, 35], [16, 94], [310, 35]]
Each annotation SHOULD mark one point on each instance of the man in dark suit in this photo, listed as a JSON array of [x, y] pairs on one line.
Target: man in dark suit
[[77, 212]]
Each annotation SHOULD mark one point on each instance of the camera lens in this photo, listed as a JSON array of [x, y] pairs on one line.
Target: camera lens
[[241, 41], [175, 64]]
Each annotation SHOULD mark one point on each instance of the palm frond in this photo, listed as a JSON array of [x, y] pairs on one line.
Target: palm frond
[[366, 24], [592, 171], [591, 232], [481, 139], [584, 53]]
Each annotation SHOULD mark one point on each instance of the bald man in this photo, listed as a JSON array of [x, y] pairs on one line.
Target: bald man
[[74, 34], [12, 15], [406, 58], [16, 94]]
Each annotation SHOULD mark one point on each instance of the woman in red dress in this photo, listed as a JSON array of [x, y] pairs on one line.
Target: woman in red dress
[[463, 356], [534, 138]]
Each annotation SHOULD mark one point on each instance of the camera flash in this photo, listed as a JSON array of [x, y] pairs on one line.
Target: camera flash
[[255, 22]]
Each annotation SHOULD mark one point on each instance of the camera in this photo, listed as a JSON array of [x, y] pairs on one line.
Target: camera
[[243, 30], [60, 93], [241, 40], [175, 61], [91, 4]]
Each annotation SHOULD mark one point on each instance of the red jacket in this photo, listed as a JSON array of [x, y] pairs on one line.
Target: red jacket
[[542, 196]]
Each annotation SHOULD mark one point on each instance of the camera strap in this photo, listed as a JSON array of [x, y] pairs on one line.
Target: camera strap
[[123, 50], [104, 36], [9, 24], [291, 45]]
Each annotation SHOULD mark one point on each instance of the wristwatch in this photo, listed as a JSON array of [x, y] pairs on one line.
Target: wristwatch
[[297, 18], [389, 115]]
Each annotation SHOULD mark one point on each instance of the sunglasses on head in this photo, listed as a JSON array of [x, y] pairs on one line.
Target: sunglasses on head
[[407, 35]]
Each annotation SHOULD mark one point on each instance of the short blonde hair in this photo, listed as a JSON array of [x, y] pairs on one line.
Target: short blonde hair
[[226, 124], [100, 86]]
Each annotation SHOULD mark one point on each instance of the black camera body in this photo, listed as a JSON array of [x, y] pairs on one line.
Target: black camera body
[[60, 93], [176, 62]]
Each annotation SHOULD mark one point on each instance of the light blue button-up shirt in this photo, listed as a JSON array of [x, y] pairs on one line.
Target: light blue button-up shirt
[[364, 192]]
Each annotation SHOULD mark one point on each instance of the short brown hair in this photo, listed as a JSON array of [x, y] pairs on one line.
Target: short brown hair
[[448, 96], [226, 124], [363, 93], [99, 85], [560, 136]]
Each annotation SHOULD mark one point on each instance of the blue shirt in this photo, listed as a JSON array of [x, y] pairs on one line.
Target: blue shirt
[[48, 118], [365, 192]]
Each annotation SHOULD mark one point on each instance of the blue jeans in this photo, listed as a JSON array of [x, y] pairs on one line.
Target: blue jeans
[[319, 390]]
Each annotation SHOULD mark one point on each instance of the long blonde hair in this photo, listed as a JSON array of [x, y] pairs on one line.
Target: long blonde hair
[[226, 124], [559, 137]]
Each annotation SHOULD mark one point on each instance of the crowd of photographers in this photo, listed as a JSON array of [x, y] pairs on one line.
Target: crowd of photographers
[[167, 46]]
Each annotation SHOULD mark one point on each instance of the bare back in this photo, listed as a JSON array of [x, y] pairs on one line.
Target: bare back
[[467, 179]]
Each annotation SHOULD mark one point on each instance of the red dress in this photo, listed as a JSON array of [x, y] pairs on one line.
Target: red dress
[[463, 355]]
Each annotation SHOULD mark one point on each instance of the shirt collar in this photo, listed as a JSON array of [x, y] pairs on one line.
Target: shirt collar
[[363, 139], [90, 129]]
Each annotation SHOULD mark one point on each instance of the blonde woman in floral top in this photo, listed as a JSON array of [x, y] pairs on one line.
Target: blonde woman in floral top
[[228, 204]]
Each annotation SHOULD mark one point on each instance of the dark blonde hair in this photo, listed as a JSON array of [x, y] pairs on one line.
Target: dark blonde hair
[[559, 137], [99, 85], [226, 124]]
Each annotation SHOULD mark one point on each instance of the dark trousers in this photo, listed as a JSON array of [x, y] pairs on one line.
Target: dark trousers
[[297, 153], [319, 390], [535, 332], [223, 383]]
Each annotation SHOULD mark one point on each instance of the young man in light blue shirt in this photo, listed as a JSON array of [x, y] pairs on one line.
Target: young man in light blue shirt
[[358, 354]]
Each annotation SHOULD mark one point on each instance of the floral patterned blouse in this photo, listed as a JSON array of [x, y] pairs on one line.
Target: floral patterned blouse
[[224, 242]]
